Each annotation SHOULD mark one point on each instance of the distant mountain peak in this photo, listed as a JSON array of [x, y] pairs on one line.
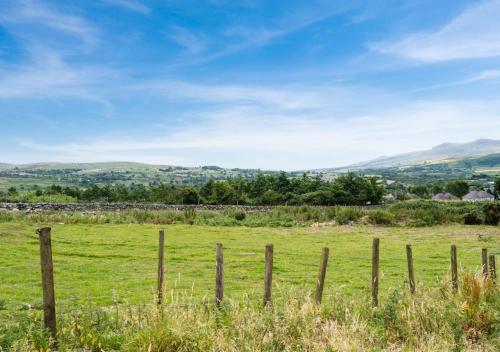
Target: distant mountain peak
[[440, 152]]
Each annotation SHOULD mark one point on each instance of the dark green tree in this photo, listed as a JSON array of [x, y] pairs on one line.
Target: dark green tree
[[457, 188], [422, 191], [12, 191], [190, 195], [222, 193], [496, 186]]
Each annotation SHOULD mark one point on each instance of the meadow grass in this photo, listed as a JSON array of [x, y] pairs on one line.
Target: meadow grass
[[117, 263], [105, 282], [433, 319]]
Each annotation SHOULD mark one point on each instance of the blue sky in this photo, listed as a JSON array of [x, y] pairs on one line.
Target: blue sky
[[261, 84]]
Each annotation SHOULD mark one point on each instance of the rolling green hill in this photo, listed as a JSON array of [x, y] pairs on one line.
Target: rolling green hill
[[28, 176]]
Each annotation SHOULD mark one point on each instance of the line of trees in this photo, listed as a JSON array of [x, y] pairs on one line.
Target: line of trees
[[349, 189]]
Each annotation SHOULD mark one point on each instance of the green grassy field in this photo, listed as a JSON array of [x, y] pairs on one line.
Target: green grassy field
[[105, 263]]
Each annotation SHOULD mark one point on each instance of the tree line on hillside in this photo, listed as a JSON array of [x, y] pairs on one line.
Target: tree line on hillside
[[349, 189]]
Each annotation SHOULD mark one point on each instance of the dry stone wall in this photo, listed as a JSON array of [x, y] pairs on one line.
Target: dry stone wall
[[37, 207]]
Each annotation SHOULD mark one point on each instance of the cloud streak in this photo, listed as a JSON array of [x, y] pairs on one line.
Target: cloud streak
[[250, 138], [187, 39], [473, 34], [130, 5], [27, 12]]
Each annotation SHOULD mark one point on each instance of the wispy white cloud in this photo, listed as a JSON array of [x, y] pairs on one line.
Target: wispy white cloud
[[194, 43], [484, 75], [48, 76], [28, 12], [280, 97], [248, 137], [487, 75], [239, 37], [46, 71], [131, 5], [473, 34]]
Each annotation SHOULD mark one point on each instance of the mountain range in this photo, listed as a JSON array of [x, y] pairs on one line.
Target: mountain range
[[446, 152]]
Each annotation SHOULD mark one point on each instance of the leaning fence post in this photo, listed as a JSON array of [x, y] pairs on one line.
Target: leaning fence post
[[268, 274], [49, 303], [161, 275], [375, 264], [454, 270], [321, 276], [411, 277], [484, 255], [219, 275], [493, 269]]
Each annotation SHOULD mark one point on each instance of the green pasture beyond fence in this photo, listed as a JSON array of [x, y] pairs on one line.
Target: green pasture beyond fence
[[49, 295]]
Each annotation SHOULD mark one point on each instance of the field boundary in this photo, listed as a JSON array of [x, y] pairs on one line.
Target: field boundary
[[47, 270]]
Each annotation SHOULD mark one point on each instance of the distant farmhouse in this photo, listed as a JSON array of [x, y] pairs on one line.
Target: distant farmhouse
[[389, 198], [478, 196], [444, 197]]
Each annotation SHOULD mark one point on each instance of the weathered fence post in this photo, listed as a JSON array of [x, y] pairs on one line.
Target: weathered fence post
[[411, 277], [454, 270], [49, 302], [321, 275], [268, 274], [493, 269], [161, 276], [219, 275], [484, 255], [375, 262]]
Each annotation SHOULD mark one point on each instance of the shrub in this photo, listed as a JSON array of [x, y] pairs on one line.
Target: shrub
[[240, 215], [190, 215], [381, 217], [492, 213], [473, 218], [343, 215]]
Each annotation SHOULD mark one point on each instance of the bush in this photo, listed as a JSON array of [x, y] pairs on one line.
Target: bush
[[240, 215], [381, 217], [344, 215], [492, 213], [473, 218], [190, 215]]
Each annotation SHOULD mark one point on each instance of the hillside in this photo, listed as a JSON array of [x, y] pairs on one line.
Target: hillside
[[484, 168], [439, 153], [87, 174]]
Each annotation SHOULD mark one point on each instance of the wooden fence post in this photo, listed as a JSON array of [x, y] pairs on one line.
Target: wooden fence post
[[268, 274], [49, 302], [375, 264], [321, 275], [161, 276], [411, 277], [484, 255], [454, 270], [219, 275], [493, 269]]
